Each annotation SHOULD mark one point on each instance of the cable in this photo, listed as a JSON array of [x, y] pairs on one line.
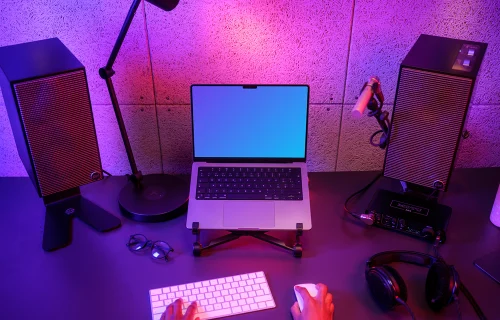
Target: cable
[[406, 306], [459, 312], [373, 136], [107, 173], [472, 301], [357, 215]]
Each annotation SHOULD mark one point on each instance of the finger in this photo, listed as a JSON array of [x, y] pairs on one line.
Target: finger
[[322, 290], [169, 311], [328, 298], [332, 308], [191, 310], [177, 309], [304, 294], [295, 310]]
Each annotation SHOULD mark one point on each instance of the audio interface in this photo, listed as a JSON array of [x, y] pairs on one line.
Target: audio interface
[[414, 216]]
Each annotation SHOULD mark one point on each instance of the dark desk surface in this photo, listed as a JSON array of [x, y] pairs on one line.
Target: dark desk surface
[[96, 277]]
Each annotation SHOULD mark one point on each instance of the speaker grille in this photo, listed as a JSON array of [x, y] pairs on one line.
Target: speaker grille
[[426, 124], [57, 119]]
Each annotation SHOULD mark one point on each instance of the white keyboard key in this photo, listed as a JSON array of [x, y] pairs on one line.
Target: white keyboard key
[[216, 297], [213, 314], [237, 310], [263, 298], [155, 292], [159, 310]]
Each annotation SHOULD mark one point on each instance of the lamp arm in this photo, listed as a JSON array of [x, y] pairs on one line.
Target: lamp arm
[[106, 73]]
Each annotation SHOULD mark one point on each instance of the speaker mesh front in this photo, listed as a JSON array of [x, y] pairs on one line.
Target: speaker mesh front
[[426, 124], [57, 118]]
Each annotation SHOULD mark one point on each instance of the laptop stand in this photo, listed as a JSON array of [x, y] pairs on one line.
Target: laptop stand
[[235, 234]]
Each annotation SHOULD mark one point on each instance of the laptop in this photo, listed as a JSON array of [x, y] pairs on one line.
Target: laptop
[[249, 147]]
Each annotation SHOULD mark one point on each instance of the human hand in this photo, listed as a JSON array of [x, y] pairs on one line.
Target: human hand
[[174, 311], [318, 308]]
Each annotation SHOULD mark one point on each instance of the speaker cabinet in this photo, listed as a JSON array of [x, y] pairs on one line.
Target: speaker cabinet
[[436, 81], [47, 98]]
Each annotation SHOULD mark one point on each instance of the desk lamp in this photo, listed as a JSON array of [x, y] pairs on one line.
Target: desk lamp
[[147, 198]]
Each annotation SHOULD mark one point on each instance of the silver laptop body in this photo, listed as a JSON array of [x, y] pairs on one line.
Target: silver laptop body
[[249, 147]]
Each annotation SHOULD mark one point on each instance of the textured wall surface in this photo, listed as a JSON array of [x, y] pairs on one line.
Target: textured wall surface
[[334, 46]]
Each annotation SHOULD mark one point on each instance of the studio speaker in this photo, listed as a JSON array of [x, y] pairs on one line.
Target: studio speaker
[[47, 99], [435, 85]]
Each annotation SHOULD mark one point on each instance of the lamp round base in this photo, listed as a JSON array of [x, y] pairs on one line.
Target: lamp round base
[[162, 197]]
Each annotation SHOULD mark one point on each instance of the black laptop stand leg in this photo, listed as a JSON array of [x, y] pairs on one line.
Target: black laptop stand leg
[[261, 235]]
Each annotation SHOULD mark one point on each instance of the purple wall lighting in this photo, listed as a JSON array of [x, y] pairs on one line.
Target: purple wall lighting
[[334, 46]]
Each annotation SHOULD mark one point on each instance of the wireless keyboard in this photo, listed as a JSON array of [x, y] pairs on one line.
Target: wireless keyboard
[[217, 297]]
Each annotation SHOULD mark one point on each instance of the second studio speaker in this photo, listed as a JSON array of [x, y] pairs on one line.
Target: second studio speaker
[[435, 85], [47, 100]]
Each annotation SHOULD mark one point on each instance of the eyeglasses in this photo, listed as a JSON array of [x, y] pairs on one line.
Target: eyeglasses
[[159, 249]]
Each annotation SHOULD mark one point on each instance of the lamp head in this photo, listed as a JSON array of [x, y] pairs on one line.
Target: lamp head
[[166, 5]]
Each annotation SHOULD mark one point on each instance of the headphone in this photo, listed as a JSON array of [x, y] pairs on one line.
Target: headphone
[[388, 288]]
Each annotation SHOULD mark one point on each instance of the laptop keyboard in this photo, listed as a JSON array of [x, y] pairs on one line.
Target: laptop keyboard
[[249, 183]]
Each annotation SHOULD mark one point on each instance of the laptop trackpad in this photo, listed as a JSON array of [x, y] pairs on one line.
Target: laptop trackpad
[[248, 214]]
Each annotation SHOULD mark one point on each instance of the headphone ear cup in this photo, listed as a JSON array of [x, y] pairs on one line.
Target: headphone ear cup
[[385, 286], [440, 285]]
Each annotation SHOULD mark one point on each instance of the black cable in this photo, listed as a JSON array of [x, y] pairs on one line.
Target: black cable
[[107, 173], [357, 215], [373, 136], [407, 307], [459, 312], [472, 301]]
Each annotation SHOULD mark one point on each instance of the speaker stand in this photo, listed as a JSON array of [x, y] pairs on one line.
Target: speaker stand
[[60, 210]]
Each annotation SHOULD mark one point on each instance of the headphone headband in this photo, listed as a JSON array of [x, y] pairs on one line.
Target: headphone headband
[[413, 257]]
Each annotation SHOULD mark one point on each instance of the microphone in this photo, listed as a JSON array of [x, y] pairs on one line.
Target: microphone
[[371, 87]]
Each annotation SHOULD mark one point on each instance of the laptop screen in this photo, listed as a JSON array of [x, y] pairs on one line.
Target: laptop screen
[[249, 122]]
